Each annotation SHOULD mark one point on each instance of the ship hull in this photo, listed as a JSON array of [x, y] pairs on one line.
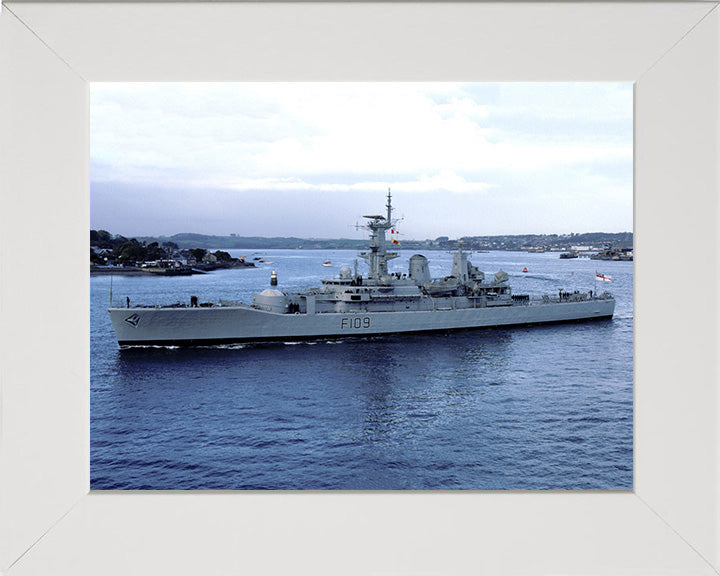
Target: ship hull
[[225, 325]]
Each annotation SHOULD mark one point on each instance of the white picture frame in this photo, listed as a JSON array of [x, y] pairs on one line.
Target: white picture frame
[[49, 520]]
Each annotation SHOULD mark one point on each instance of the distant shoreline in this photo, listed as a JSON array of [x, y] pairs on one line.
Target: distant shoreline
[[133, 271], [520, 242], [136, 271]]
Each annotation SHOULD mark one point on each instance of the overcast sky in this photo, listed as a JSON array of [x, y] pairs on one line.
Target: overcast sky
[[275, 159]]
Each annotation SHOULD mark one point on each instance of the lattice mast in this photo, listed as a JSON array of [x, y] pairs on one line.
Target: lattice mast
[[378, 256]]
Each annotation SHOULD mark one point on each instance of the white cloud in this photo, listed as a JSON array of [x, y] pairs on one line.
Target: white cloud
[[444, 181], [345, 137]]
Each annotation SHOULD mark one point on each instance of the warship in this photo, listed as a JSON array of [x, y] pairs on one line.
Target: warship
[[355, 305]]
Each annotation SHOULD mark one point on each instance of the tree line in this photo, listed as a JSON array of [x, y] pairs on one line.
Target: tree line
[[105, 246]]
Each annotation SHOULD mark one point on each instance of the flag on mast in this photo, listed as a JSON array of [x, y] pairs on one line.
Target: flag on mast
[[394, 241], [603, 277]]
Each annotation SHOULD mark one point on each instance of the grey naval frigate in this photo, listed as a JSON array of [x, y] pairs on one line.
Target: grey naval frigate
[[356, 305]]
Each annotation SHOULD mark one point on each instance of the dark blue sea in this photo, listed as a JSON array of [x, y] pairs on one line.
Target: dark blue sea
[[535, 408]]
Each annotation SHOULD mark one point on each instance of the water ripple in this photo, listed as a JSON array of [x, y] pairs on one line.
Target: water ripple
[[546, 408]]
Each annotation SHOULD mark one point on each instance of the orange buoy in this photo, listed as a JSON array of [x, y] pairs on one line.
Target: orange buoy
[[524, 269]]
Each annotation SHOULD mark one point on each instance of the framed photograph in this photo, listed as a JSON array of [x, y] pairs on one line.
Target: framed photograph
[[51, 52]]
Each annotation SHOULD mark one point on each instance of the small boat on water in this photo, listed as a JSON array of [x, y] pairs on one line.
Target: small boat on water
[[621, 254], [327, 263]]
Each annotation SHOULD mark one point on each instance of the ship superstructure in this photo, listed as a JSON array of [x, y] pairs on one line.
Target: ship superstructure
[[352, 304]]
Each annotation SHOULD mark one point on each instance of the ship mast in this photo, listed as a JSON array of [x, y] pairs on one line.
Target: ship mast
[[378, 256]]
